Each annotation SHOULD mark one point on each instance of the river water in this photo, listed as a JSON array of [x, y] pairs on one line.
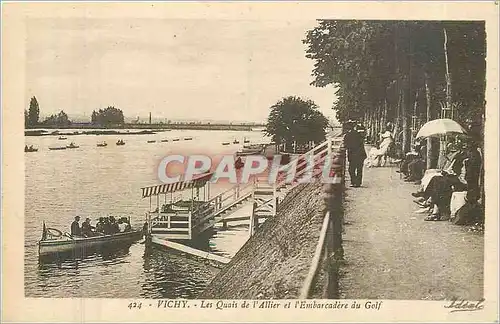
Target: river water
[[93, 181]]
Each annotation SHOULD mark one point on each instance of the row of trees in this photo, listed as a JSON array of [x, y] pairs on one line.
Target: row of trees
[[60, 120], [32, 117], [108, 117], [405, 72], [104, 117]]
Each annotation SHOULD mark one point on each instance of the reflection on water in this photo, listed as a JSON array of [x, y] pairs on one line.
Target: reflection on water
[[169, 274], [96, 181]]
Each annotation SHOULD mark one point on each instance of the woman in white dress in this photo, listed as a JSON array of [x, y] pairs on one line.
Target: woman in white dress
[[386, 141]]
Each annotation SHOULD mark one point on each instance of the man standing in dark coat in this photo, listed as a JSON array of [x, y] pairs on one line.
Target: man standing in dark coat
[[75, 227], [356, 154]]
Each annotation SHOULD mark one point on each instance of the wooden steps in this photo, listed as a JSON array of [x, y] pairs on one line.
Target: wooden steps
[[222, 214]]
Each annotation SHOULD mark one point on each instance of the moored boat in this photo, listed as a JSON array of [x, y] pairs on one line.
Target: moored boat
[[164, 140], [54, 241], [102, 144], [57, 148], [245, 140], [188, 138], [236, 141], [120, 142], [225, 143], [62, 138], [175, 140]]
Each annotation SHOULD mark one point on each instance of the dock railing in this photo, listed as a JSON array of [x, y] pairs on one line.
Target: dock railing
[[221, 202], [298, 167], [301, 163], [329, 251]]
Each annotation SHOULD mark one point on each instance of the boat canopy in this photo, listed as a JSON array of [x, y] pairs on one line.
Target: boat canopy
[[196, 182]]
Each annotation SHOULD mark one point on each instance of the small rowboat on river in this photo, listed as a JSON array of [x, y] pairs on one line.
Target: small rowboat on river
[[54, 241], [254, 149], [72, 146], [30, 149]]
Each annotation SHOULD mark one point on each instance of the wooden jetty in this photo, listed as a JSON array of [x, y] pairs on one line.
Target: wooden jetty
[[190, 250], [176, 221]]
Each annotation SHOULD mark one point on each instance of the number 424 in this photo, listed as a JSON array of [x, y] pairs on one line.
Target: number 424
[[135, 305]]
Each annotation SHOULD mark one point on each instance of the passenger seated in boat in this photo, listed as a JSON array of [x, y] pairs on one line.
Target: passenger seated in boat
[[114, 228], [106, 226], [127, 224], [121, 225], [99, 227], [75, 227], [87, 228]]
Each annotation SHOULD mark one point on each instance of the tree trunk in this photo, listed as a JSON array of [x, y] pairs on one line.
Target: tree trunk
[[414, 118], [395, 131], [449, 108], [406, 112], [432, 154], [384, 117], [448, 76], [404, 128], [377, 120], [372, 128]]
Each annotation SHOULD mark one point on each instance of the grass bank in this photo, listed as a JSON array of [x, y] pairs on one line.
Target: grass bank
[[274, 262]]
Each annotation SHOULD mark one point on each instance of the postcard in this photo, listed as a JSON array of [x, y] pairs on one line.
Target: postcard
[[250, 161]]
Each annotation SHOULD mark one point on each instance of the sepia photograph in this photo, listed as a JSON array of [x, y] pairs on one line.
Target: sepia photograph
[[303, 164]]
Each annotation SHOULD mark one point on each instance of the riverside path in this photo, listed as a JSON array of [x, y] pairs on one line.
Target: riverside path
[[392, 253]]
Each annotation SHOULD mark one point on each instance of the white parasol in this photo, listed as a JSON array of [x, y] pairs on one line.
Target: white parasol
[[439, 127]]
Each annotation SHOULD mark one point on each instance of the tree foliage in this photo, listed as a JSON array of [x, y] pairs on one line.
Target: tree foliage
[[294, 119], [60, 120], [108, 116], [384, 70], [33, 113]]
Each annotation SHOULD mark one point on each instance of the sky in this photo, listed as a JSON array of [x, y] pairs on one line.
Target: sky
[[226, 70]]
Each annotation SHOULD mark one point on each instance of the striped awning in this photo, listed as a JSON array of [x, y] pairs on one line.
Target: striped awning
[[197, 182]]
